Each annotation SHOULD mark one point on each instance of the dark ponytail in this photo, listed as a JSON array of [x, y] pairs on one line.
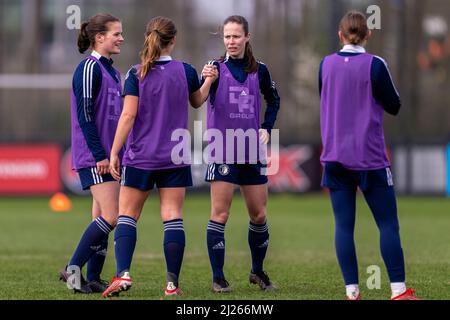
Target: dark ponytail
[[89, 29], [83, 38], [252, 64]]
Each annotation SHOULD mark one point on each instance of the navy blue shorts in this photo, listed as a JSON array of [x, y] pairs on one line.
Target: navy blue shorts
[[240, 174], [164, 178], [90, 177], [335, 176]]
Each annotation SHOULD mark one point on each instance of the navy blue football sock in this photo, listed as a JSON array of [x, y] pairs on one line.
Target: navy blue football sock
[[124, 243], [90, 242], [174, 243], [344, 207], [215, 239], [382, 202], [97, 260], [258, 240]]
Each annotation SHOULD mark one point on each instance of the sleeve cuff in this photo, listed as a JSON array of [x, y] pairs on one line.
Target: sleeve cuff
[[100, 157], [269, 130]]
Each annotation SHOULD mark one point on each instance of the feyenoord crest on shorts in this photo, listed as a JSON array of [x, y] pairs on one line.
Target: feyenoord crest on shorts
[[224, 169]]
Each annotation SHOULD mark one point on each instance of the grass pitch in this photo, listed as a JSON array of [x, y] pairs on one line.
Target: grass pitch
[[36, 243]]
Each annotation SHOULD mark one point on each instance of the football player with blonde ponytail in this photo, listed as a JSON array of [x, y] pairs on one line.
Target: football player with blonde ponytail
[[157, 95]]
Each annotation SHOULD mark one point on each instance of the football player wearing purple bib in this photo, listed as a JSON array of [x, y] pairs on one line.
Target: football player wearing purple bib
[[96, 104], [235, 103], [356, 89], [157, 95]]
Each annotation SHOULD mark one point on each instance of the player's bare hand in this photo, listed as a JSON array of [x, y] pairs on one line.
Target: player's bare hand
[[264, 136], [103, 167], [210, 71], [214, 74], [114, 166]]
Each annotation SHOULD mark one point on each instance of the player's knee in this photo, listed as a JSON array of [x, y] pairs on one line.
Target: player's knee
[[109, 210], [220, 216], [258, 217], [111, 219], [389, 229]]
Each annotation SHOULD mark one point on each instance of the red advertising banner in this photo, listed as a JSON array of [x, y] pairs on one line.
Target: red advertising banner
[[298, 170], [29, 169]]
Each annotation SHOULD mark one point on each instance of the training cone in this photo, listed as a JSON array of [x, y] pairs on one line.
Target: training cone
[[59, 202]]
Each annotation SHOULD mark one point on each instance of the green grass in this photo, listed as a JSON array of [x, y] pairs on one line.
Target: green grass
[[35, 243]]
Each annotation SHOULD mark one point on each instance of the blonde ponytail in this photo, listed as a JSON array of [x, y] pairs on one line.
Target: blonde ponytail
[[160, 31], [150, 53]]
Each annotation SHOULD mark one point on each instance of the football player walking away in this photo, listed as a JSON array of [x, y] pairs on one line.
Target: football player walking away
[[356, 89]]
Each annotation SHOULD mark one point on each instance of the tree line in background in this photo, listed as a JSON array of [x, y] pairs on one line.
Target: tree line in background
[[290, 36]]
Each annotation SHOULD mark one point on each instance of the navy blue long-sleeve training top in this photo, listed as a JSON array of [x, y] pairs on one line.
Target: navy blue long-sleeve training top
[[383, 88], [86, 84]]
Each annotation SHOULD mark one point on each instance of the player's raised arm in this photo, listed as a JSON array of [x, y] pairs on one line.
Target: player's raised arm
[[210, 75]]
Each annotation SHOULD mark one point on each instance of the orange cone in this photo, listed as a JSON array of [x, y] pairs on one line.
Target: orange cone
[[59, 202]]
